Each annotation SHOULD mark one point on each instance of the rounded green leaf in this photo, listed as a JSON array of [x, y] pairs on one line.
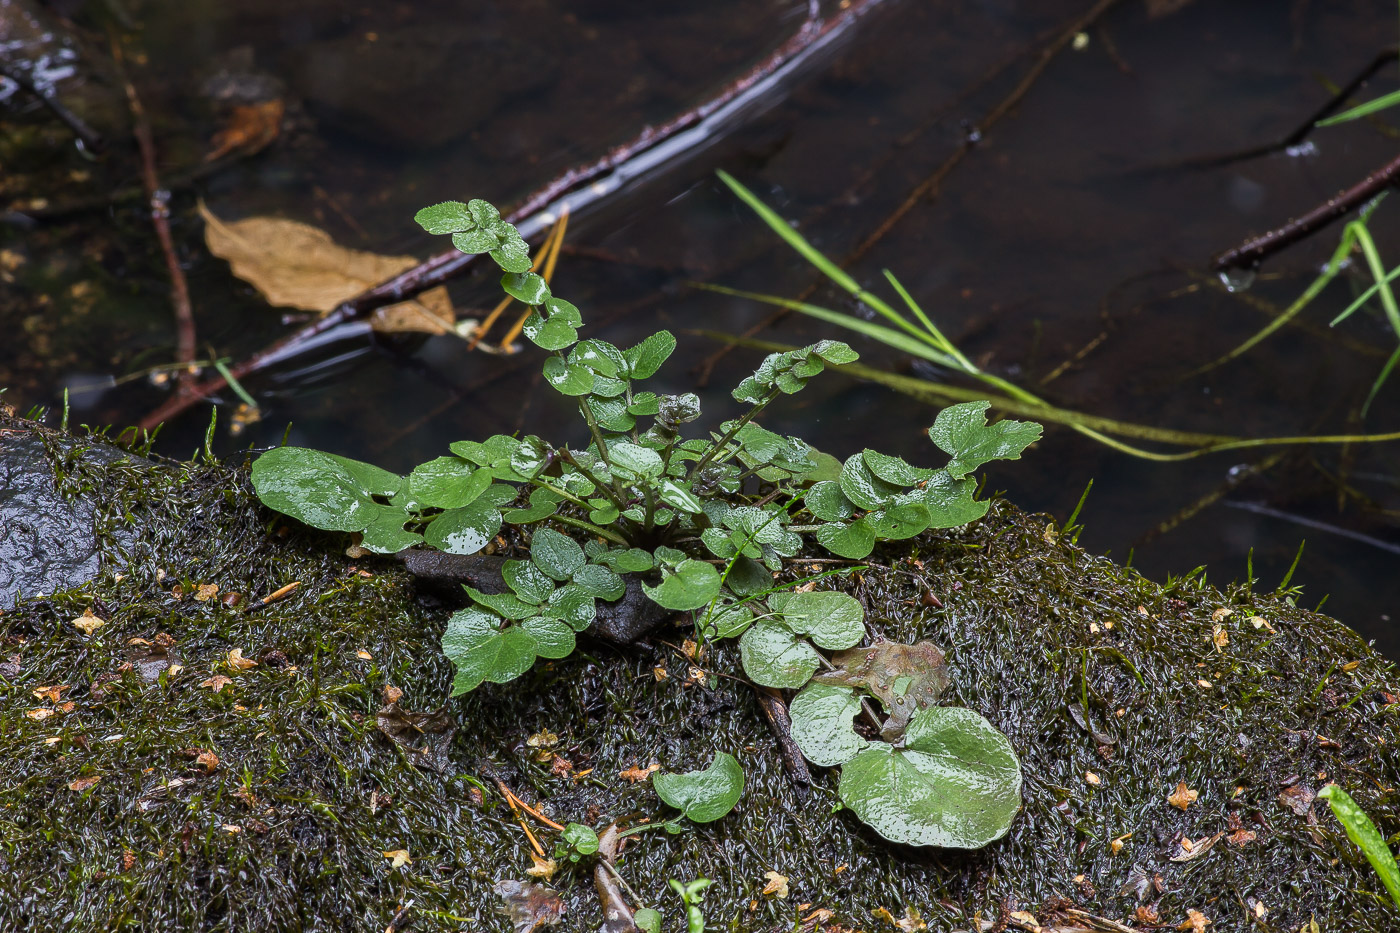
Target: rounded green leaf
[[774, 657], [680, 496], [597, 580], [513, 255], [894, 469], [505, 605], [826, 501], [543, 504], [447, 217], [601, 357], [835, 621], [580, 838], [573, 605], [950, 501], [568, 379], [899, 520], [703, 796], [821, 725], [465, 530], [694, 584], [556, 333], [553, 638], [475, 241], [956, 783], [647, 920], [384, 532], [853, 540], [728, 621], [646, 358], [525, 287], [863, 487], [528, 581], [556, 554], [634, 462], [446, 483], [482, 651]]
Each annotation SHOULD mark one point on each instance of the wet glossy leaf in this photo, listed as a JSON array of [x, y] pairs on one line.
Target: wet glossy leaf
[[568, 379], [525, 287], [384, 533], [554, 638], [580, 838], [693, 584], [646, 358], [899, 520], [527, 581], [962, 432], [505, 605], [543, 504], [833, 620], [863, 487], [950, 501], [632, 462], [821, 724], [680, 496], [644, 403], [599, 581], [854, 540], [513, 255], [647, 920], [826, 501], [834, 352], [894, 469], [530, 456], [956, 783], [601, 357], [774, 657], [552, 334], [482, 651], [573, 605], [678, 409], [444, 218], [627, 560], [703, 796], [320, 489], [728, 621], [446, 483], [1361, 831], [556, 554], [465, 530]]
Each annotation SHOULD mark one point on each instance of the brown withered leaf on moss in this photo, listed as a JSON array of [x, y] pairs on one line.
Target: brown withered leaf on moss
[[902, 677], [1183, 796], [296, 265], [529, 906], [425, 737]]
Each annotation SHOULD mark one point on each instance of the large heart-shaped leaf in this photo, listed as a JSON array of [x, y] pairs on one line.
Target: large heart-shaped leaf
[[446, 483], [483, 651], [321, 489], [962, 432], [465, 530], [854, 540], [950, 501], [821, 725], [693, 584], [955, 783], [774, 657], [556, 554], [703, 796]]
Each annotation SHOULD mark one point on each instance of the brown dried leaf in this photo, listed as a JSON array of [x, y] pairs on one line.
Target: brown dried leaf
[[205, 592], [250, 127], [39, 714], [87, 623], [1183, 796], [529, 906], [543, 868], [82, 784], [637, 775], [777, 885], [217, 683], [52, 694], [1195, 922], [1298, 798], [238, 662], [425, 737], [902, 677], [295, 265], [398, 858]]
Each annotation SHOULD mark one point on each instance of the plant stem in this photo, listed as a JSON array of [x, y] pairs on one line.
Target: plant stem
[[588, 474], [608, 533], [729, 435]]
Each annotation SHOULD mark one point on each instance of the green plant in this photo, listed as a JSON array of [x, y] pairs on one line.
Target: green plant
[[1363, 832], [704, 522], [690, 897]]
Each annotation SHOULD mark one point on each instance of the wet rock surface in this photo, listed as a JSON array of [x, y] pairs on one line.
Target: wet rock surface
[[249, 784]]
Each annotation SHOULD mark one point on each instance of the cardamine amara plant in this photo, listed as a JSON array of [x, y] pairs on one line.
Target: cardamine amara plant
[[701, 524]]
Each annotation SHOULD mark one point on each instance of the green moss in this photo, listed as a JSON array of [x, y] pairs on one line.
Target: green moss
[[1032, 628]]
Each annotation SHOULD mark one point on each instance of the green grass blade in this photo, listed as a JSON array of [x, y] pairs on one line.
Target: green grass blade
[[1384, 102], [1363, 832], [944, 343], [1373, 262], [886, 335], [1380, 380], [1365, 296], [235, 385]]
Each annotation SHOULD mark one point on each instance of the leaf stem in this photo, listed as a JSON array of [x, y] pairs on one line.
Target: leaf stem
[[729, 435], [608, 533]]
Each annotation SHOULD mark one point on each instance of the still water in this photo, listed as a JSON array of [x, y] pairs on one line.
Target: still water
[[1065, 250]]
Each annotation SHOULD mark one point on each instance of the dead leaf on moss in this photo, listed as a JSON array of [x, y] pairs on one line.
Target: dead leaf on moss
[[892, 671], [217, 683], [425, 737], [87, 623], [637, 775], [777, 885], [1195, 922], [543, 868], [529, 906], [205, 592], [398, 858], [1183, 796], [238, 662], [295, 265], [52, 694], [1298, 798], [82, 784], [39, 715]]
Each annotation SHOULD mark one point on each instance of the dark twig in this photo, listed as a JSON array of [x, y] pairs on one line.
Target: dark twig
[[652, 149], [780, 724], [90, 139], [1249, 254], [159, 199]]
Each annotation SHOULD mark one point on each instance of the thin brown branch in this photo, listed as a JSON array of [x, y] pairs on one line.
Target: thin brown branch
[[649, 151], [780, 724], [159, 200], [1249, 254]]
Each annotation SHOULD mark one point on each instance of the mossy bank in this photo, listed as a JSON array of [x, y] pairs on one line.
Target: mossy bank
[[148, 783]]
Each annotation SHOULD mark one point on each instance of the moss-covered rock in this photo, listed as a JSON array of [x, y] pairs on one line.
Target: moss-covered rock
[[1113, 691]]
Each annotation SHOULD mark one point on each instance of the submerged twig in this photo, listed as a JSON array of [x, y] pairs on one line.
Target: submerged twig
[[579, 187], [91, 140], [1249, 254], [159, 201]]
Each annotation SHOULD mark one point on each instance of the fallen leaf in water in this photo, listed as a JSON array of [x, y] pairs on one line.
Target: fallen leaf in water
[[82, 784], [636, 775], [87, 623], [529, 906], [249, 127], [1183, 796], [295, 265], [398, 858], [777, 885]]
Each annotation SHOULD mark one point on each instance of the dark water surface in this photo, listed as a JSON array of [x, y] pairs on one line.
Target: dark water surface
[[1068, 232]]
